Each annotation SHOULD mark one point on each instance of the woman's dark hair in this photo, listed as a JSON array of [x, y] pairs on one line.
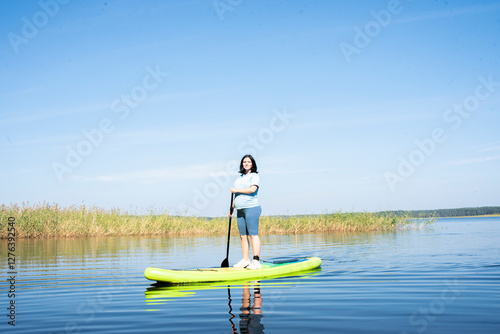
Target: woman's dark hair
[[254, 165]]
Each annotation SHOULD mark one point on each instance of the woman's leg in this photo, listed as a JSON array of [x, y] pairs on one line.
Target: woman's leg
[[242, 227], [245, 248], [252, 216], [255, 244]]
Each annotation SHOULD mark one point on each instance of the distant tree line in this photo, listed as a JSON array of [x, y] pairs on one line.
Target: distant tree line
[[460, 212]]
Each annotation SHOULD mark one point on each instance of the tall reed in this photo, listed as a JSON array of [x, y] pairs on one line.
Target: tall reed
[[50, 220]]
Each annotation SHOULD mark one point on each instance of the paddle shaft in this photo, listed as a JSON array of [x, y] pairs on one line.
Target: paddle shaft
[[225, 263]]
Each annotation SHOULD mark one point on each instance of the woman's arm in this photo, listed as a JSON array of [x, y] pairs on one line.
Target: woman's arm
[[249, 190]]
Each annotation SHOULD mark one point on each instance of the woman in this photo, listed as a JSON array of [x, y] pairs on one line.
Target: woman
[[248, 211]]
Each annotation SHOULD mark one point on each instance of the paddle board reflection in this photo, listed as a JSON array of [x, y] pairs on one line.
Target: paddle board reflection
[[244, 317]]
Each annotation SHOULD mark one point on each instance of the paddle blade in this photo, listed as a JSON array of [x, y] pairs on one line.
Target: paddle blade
[[225, 263]]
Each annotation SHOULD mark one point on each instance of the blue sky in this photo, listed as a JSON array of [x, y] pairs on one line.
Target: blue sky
[[353, 106]]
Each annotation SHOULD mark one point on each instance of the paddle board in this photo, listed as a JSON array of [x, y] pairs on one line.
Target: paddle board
[[231, 273]]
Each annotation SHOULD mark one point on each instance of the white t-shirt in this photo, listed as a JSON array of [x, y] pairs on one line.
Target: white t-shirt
[[243, 201]]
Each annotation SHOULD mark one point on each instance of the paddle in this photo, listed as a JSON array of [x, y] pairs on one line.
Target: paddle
[[225, 263]]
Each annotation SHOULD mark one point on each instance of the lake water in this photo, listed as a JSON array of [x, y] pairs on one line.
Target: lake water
[[442, 279]]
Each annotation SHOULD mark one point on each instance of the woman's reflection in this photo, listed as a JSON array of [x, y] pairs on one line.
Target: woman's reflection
[[251, 313]]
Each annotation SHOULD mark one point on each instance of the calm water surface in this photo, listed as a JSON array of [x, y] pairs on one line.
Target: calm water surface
[[444, 279]]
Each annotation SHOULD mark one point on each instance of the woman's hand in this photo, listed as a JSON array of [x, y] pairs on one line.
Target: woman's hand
[[233, 190]]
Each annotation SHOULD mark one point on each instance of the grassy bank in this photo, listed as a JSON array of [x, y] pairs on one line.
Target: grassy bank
[[50, 220]]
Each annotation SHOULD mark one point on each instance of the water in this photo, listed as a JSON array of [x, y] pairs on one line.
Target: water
[[435, 280]]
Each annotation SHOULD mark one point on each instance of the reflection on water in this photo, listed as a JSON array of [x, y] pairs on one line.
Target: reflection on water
[[251, 311], [42, 252], [245, 316]]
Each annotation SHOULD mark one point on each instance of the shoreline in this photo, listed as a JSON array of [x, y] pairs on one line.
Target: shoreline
[[476, 216], [53, 221]]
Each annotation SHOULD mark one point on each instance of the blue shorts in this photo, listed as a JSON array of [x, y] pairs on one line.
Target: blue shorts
[[248, 220]]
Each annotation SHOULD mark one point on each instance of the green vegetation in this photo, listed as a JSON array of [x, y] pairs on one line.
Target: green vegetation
[[460, 212], [51, 220]]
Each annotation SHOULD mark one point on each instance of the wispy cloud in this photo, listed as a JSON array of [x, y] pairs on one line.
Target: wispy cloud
[[452, 12], [47, 113], [474, 160], [301, 171], [24, 92], [149, 176], [489, 149], [173, 134], [353, 121], [47, 142]]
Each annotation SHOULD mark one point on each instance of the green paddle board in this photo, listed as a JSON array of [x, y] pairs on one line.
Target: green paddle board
[[231, 273]]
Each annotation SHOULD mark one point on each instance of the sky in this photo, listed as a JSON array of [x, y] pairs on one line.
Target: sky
[[149, 106]]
